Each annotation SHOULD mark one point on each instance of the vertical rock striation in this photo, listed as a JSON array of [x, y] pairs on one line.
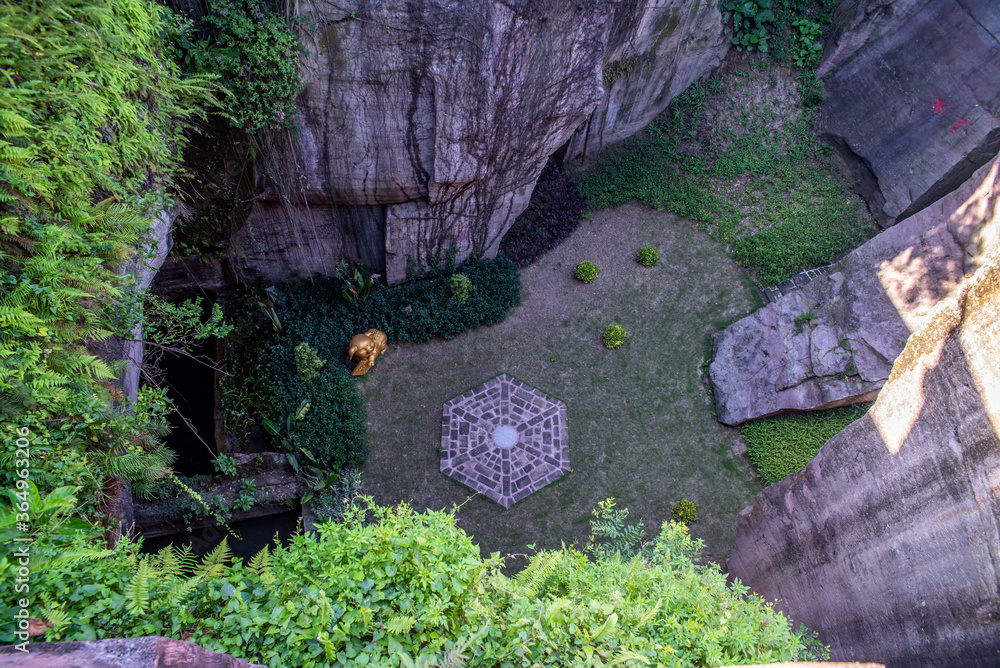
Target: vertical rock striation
[[427, 123], [912, 105], [888, 542]]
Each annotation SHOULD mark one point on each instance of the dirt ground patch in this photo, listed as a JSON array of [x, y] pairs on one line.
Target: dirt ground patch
[[640, 422]]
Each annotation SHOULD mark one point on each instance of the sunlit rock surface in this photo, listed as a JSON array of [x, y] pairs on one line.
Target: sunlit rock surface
[[888, 542], [834, 342], [428, 123], [912, 104]]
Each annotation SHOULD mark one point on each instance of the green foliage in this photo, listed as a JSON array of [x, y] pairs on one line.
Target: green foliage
[[225, 465], [307, 362], [784, 36], [334, 501], [751, 19], [807, 46], [461, 286], [587, 271], [764, 189], [614, 336], [685, 511], [804, 319], [388, 586], [612, 534], [648, 256], [357, 285], [92, 122], [255, 54], [784, 444]]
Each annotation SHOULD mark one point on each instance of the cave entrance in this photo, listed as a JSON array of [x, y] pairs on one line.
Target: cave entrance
[[192, 386]]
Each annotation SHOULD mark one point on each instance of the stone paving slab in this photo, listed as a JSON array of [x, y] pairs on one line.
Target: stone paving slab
[[478, 448]]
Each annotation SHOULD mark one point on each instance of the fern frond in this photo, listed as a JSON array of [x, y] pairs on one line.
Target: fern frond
[[531, 580], [399, 624], [137, 590], [260, 562], [216, 560]]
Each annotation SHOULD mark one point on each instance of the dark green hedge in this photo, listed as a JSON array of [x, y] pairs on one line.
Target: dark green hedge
[[314, 312]]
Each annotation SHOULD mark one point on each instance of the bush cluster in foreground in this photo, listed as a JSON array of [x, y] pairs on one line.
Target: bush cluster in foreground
[[390, 584]]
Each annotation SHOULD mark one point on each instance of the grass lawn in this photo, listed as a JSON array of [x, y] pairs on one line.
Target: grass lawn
[[641, 427]]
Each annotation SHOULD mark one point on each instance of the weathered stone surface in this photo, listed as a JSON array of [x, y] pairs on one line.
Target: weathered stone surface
[[655, 51], [912, 101], [428, 123], [834, 341], [888, 542], [148, 652]]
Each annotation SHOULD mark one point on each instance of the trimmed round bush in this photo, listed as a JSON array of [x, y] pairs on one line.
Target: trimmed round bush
[[614, 336], [461, 286], [648, 256], [685, 511], [587, 271]]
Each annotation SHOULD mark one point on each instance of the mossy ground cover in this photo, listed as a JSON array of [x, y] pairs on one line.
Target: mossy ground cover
[[784, 444], [641, 427], [738, 154]]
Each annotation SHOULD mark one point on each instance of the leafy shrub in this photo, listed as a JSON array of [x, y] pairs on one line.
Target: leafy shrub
[[461, 286], [587, 271], [614, 336], [784, 444], [685, 511], [648, 256], [388, 580], [307, 362], [250, 46], [750, 20], [555, 210], [333, 502], [807, 46], [333, 431]]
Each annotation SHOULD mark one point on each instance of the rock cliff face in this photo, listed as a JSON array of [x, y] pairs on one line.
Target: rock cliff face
[[912, 101], [888, 542], [834, 341], [427, 123]]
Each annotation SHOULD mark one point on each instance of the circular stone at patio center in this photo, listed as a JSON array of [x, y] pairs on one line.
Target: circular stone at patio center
[[505, 436]]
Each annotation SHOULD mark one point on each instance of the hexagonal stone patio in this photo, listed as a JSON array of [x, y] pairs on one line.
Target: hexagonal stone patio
[[504, 439]]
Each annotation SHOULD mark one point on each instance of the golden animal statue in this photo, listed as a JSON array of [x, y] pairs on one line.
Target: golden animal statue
[[364, 348]]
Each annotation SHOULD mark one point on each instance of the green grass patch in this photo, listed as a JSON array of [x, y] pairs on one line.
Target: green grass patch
[[747, 166], [784, 444]]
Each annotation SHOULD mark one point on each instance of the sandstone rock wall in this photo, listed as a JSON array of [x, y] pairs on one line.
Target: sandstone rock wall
[[428, 122], [834, 341], [913, 105], [888, 542]]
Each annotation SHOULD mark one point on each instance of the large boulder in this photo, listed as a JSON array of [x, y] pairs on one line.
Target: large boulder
[[913, 105], [427, 124], [888, 542], [835, 340]]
